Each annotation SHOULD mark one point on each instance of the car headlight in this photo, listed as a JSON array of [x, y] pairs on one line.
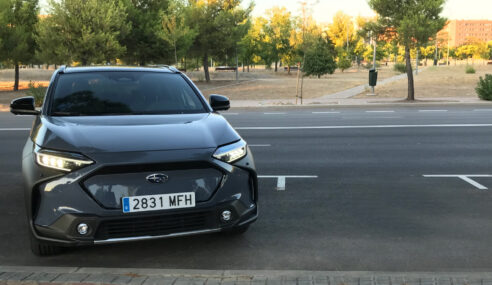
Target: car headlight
[[231, 152], [61, 160]]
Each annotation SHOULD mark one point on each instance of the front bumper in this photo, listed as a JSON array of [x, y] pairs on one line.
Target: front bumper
[[143, 227], [57, 203]]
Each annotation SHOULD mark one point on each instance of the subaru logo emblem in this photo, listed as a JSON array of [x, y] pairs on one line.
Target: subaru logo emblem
[[157, 178]]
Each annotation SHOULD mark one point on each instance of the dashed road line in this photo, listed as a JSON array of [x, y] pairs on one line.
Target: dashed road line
[[464, 177], [382, 111], [14, 129], [281, 179], [482, 110], [260, 145], [229, 114], [433, 110], [325, 112], [363, 127], [276, 113]]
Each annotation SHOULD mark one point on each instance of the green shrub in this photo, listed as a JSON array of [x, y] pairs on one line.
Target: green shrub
[[400, 67], [344, 63], [470, 70], [484, 87], [38, 92]]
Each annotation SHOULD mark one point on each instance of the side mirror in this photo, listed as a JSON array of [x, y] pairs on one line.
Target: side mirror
[[219, 102], [23, 106]]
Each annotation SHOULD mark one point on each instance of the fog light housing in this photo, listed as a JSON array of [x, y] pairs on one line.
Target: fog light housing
[[226, 216], [83, 229]]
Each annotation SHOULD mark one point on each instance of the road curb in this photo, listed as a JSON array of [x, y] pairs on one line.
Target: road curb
[[143, 276]]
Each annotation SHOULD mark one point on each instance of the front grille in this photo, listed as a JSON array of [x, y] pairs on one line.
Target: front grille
[[152, 226], [108, 186]]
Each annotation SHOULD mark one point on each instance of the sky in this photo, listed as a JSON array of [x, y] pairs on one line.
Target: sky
[[324, 10]]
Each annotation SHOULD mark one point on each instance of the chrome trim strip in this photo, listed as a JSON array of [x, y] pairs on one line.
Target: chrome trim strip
[[118, 240]]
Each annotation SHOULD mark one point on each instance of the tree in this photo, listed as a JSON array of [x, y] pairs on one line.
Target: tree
[[293, 54], [251, 43], [489, 45], [50, 44], [220, 26], [175, 30], [88, 30], [411, 23], [320, 58], [342, 30], [142, 44], [278, 32], [18, 20], [344, 61]]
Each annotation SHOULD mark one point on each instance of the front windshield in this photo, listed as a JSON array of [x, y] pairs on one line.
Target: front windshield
[[123, 93]]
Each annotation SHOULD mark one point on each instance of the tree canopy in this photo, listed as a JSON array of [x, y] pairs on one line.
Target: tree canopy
[[89, 31]]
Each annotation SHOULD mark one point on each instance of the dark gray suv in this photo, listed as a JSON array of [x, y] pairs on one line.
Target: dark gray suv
[[123, 154]]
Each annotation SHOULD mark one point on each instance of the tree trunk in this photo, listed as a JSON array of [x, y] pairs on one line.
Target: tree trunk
[[16, 80], [205, 68], [248, 67], [276, 66], [288, 70], [175, 54], [411, 90]]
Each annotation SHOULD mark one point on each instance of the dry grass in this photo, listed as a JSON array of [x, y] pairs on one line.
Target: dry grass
[[281, 85], [450, 81]]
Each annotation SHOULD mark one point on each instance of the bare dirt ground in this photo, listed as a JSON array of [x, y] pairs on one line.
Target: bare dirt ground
[[442, 81]]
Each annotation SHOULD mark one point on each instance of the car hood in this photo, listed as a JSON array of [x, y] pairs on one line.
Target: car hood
[[132, 133]]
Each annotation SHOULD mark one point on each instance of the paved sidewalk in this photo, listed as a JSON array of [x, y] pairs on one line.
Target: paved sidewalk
[[10, 275]]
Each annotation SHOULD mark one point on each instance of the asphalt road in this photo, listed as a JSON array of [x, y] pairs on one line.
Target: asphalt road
[[366, 204]]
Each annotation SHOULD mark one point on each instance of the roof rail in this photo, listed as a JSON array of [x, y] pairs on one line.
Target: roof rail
[[62, 68], [170, 67]]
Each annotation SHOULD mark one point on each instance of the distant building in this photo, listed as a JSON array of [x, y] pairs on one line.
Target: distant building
[[459, 32]]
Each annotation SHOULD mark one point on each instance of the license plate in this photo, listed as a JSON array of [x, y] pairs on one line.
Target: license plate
[[158, 202]]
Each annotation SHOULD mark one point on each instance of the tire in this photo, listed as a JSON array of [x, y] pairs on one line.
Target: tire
[[43, 249], [237, 230]]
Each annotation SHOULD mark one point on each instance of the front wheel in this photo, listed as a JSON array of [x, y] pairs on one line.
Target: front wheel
[[42, 249]]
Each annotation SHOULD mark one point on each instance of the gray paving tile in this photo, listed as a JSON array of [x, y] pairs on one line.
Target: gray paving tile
[[159, 280], [14, 276], [71, 277], [100, 278], [122, 279], [137, 280], [42, 277]]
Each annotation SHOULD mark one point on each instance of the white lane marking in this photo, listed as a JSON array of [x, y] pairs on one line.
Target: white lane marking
[[325, 112], [482, 110], [433, 110], [388, 111], [464, 177], [15, 129], [364, 127], [282, 178], [260, 145], [276, 113], [229, 114]]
